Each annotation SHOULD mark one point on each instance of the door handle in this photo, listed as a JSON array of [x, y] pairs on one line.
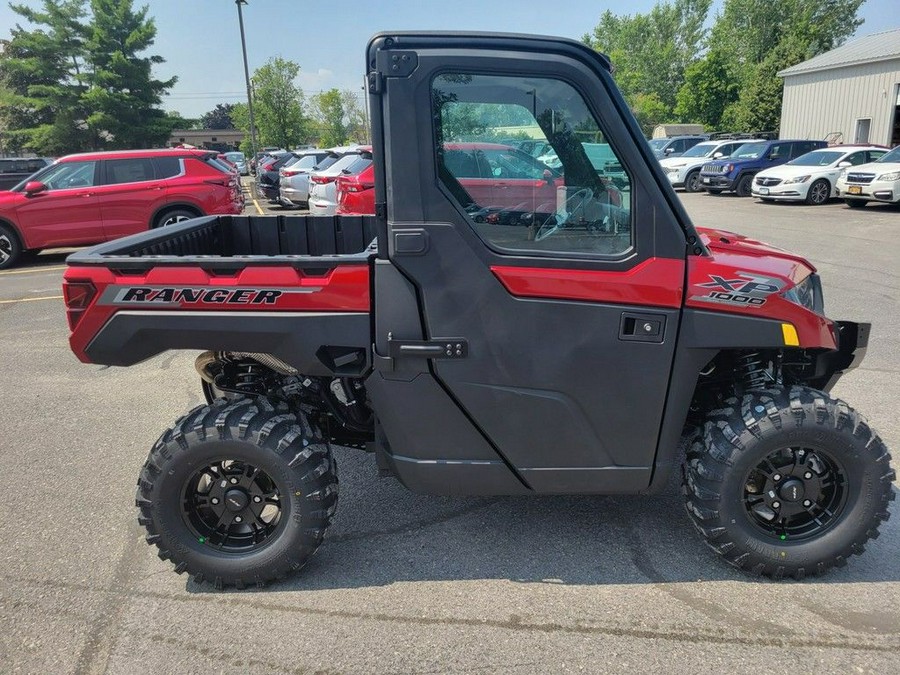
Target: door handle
[[635, 327], [85, 194]]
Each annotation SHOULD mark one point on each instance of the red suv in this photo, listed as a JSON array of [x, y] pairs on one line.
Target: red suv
[[99, 196]]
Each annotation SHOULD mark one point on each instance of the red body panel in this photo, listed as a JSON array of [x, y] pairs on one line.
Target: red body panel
[[738, 262], [356, 194], [656, 282], [90, 215], [271, 289]]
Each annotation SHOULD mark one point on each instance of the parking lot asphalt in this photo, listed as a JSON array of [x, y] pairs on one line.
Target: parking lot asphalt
[[408, 583]]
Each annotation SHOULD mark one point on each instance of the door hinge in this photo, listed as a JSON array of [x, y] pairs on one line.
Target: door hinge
[[396, 62]]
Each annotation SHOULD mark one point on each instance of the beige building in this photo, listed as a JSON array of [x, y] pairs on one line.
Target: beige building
[[214, 139], [848, 95]]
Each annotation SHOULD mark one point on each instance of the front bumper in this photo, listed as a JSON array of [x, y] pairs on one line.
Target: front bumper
[[676, 178], [790, 192], [716, 181], [852, 341], [882, 191]]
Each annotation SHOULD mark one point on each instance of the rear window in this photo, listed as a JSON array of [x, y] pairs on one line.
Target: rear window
[[305, 162], [343, 163], [360, 163], [327, 162]]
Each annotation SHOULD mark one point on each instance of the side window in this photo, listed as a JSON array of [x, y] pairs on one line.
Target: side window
[[167, 167], [875, 154], [572, 197], [70, 175], [135, 170], [857, 158], [779, 151], [6, 166]]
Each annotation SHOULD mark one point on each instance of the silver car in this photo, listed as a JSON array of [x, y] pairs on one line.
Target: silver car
[[293, 185], [239, 161], [323, 190]]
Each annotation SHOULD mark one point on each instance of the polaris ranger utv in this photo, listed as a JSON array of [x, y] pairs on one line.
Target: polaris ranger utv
[[484, 338]]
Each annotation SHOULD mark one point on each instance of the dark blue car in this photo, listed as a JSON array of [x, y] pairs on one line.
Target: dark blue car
[[736, 172]]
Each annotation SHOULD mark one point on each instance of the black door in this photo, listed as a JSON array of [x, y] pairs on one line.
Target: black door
[[564, 294]]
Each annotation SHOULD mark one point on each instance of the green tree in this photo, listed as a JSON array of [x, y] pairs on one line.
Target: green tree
[[219, 117], [41, 73], [122, 93], [180, 122], [328, 113], [709, 88], [650, 52], [278, 106], [355, 117]]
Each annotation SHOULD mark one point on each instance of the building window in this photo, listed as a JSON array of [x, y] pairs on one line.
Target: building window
[[862, 130]]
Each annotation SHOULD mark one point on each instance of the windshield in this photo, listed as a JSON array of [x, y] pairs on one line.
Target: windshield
[[658, 143], [817, 158], [750, 151], [892, 156], [701, 150]]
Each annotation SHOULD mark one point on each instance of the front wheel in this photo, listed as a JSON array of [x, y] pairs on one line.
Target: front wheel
[[692, 181], [10, 247], [744, 187], [819, 192], [239, 492], [787, 482]]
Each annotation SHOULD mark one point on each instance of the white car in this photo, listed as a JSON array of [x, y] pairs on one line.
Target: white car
[[322, 187], [811, 178], [878, 181], [684, 170]]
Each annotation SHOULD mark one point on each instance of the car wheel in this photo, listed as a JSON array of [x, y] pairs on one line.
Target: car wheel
[[855, 203], [10, 247], [819, 192], [692, 181], [174, 216], [744, 186]]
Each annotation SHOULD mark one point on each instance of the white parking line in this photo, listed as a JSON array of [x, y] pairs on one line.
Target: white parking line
[[46, 297], [34, 270]]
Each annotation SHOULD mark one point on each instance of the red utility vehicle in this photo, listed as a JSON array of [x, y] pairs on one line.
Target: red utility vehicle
[[99, 196], [576, 345]]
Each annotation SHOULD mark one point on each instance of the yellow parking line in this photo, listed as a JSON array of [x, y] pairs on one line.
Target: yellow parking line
[[258, 207], [36, 269], [46, 297]]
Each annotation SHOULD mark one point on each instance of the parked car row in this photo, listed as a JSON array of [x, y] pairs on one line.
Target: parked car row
[[788, 170], [94, 197]]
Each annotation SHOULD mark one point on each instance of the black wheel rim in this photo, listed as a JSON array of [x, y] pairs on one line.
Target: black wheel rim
[[795, 493], [232, 506], [6, 248]]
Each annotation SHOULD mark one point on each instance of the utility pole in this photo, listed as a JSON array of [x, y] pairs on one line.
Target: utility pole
[[253, 145]]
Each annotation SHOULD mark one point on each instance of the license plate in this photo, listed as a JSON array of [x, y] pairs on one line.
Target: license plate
[[706, 179], [854, 190], [763, 191]]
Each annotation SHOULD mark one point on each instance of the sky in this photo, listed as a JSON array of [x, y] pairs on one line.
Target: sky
[[200, 39]]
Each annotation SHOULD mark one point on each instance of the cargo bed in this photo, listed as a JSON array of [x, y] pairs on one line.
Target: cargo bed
[[231, 242]]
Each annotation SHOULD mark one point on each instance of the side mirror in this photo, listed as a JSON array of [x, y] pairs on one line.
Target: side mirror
[[34, 187], [669, 151], [718, 155], [844, 164]]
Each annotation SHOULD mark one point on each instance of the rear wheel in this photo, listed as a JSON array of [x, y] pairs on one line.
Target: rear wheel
[[174, 216], [819, 192], [855, 203], [692, 181], [238, 492], [787, 483], [10, 247], [744, 186]]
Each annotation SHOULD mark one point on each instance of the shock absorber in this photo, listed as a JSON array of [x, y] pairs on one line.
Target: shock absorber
[[752, 370]]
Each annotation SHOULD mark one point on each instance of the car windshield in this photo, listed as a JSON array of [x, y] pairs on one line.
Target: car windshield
[[701, 150], [658, 143], [818, 158], [892, 156], [750, 151]]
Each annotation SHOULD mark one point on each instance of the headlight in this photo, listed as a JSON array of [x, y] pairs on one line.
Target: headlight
[[893, 175], [843, 175], [728, 168], [808, 293], [796, 179]]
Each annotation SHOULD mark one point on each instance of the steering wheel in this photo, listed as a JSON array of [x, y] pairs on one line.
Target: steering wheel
[[553, 223]]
